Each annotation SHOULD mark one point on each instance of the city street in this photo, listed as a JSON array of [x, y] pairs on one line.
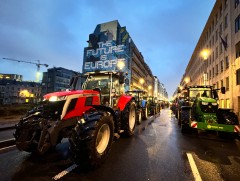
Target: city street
[[157, 151]]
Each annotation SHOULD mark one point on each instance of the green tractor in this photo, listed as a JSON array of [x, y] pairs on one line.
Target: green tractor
[[198, 109], [153, 106]]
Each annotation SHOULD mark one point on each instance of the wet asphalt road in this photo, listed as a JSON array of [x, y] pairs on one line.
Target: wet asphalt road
[[157, 151]]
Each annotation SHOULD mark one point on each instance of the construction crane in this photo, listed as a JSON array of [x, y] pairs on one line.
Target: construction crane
[[37, 64]]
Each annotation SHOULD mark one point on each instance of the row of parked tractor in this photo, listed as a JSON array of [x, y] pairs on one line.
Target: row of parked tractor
[[197, 108], [91, 118]]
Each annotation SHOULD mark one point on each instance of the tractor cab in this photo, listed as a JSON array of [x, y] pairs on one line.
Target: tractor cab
[[139, 96], [109, 85]]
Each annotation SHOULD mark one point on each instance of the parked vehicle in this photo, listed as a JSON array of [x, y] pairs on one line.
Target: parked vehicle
[[141, 104], [199, 110], [80, 116], [91, 139], [154, 106]]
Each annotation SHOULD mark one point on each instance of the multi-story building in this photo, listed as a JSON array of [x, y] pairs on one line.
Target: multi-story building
[[11, 77], [13, 92], [58, 79], [111, 43], [216, 57], [159, 90]]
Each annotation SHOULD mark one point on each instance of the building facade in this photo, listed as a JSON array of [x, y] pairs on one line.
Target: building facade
[[17, 92], [11, 77], [216, 57], [109, 44], [58, 79]]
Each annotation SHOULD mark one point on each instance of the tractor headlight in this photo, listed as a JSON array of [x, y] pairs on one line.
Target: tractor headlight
[[57, 98], [205, 103], [214, 103]]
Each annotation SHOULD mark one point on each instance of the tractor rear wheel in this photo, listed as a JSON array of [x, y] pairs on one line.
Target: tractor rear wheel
[[129, 119], [145, 112], [91, 143], [139, 117], [185, 116]]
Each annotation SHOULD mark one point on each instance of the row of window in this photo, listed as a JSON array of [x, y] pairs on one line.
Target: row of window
[[220, 84], [218, 15]]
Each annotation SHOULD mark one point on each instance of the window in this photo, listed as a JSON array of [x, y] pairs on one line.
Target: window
[[225, 4], [217, 86], [237, 24], [216, 35], [220, 28], [236, 3], [216, 17], [226, 21], [216, 69], [238, 76], [226, 62], [221, 83], [221, 47], [227, 83], [216, 52], [213, 71], [220, 10], [237, 47], [210, 74], [221, 66]]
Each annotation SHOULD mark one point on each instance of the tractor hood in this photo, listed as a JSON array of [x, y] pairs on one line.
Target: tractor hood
[[67, 93], [206, 99]]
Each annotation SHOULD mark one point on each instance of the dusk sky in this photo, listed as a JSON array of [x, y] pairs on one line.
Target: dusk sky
[[55, 32]]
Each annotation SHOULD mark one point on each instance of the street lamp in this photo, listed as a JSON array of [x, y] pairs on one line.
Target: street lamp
[[141, 81], [187, 80], [149, 89], [205, 54], [120, 64]]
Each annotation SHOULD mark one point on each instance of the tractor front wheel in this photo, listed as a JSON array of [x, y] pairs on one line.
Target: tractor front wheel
[[91, 143], [185, 116]]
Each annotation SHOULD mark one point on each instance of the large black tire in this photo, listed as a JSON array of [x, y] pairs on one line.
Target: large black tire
[[185, 117], [227, 117], [145, 112], [179, 117], [139, 117], [129, 119], [91, 143], [27, 134]]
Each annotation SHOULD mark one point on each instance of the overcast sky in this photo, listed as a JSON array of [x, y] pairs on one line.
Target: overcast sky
[[55, 32]]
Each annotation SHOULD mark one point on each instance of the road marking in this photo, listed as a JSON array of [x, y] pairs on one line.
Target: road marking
[[64, 172], [1, 149], [194, 167]]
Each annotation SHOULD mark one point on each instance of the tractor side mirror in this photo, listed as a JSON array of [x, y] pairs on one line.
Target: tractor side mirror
[[223, 90]]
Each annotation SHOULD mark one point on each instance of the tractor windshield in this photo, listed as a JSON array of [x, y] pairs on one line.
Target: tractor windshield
[[108, 84], [200, 92]]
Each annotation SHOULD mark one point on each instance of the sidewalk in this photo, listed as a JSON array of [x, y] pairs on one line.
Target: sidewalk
[[8, 122]]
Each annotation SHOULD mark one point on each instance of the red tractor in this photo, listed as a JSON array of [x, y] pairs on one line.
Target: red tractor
[[80, 116]]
